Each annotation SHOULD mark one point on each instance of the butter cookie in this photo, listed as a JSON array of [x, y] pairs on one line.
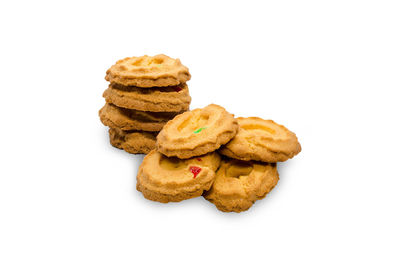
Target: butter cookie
[[129, 119], [262, 140], [158, 99], [166, 179], [146, 71], [238, 184], [197, 132]]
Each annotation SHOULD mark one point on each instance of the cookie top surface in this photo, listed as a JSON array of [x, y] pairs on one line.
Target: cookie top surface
[[173, 176], [238, 184], [129, 119], [197, 132], [262, 140], [158, 99], [147, 71]]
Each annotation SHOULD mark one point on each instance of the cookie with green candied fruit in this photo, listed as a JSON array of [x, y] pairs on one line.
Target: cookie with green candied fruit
[[197, 132]]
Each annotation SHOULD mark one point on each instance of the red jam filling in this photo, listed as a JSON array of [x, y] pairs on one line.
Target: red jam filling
[[177, 88], [195, 170], [198, 159]]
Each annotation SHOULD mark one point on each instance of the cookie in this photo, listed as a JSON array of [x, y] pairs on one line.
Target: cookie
[[133, 142], [197, 132], [238, 184], [146, 71], [166, 179], [129, 119], [158, 99], [262, 140]]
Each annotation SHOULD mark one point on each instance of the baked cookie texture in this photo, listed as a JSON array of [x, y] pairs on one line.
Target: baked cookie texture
[[166, 179], [197, 132], [129, 119], [147, 71], [158, 99], [134, 142], [262, 140], [147, 103], [238, 184], [143, 94]]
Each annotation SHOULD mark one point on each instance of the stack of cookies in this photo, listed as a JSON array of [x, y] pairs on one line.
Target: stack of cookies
[[143, 95], [187, 161]]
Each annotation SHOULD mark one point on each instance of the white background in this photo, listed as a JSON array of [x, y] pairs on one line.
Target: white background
[[328, 70]]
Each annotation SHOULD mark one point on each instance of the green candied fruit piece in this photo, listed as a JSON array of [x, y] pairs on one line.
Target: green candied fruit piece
[[200, 129]]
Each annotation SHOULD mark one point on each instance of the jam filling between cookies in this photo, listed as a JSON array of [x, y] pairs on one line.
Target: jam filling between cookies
[[177, 88]]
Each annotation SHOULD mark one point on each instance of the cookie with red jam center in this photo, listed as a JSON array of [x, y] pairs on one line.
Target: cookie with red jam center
[[172, 179]]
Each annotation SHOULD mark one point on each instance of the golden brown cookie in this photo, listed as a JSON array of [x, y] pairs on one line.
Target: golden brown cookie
[[238, 184], [197, 132], [262, 140], [133, 142], [129, 119], [158, 99], [166, 179], [146, 71]]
